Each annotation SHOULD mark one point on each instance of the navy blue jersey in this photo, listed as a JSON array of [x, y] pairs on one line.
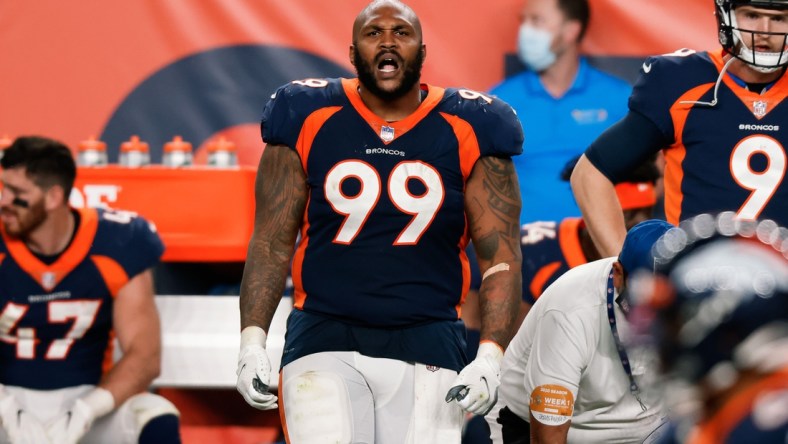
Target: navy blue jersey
[[56, 320], [730, 156], [384, 239], [549, 250], [755, 414]]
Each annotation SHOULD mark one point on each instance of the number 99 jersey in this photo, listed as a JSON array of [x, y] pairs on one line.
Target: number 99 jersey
[[384, 236], [727, 157], [56, 319]]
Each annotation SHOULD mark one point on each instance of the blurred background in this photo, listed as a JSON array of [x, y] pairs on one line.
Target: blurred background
[[205, 68]]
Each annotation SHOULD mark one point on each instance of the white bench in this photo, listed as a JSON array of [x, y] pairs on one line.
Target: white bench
[[201, 338]]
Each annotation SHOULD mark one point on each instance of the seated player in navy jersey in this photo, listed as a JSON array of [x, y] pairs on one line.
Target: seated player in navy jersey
[[567, 376], [717, 314], [71, 283], [550, 248], [387, 180], [719, 117]]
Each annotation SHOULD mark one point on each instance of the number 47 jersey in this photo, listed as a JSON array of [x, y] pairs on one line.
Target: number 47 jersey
[[56, 319], [384, 236]]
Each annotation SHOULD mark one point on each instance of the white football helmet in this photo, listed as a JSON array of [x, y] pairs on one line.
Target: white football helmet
[[739, 42]]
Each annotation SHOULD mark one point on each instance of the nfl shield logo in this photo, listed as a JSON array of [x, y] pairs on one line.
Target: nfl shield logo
[[387, 133], [48, 280], [759, 108]]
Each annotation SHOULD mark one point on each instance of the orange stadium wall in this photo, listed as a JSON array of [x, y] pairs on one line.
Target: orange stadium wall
[[201, 69]]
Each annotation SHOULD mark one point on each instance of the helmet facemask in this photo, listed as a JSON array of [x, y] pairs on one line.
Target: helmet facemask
[[738, 42]]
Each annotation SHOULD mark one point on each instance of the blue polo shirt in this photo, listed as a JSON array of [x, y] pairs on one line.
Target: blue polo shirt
[[556, 130]]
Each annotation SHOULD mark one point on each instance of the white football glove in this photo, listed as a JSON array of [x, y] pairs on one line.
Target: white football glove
[[20, 426], [476, 387], [254, 370], [70, 426]]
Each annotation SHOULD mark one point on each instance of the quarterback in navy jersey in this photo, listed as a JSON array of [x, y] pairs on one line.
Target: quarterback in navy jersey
[[71, 282], [387, 180], [718, 116]]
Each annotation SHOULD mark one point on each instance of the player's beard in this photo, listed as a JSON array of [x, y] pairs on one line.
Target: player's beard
[[31, 219], [410, 77]]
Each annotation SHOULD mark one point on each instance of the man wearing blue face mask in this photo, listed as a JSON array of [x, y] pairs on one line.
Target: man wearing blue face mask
[[562, 102]]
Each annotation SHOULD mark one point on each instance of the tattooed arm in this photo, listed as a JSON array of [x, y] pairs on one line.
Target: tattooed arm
[[492, 204], [280, 197]]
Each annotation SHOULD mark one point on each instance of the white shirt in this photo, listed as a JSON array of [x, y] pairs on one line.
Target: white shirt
[[566, 342]]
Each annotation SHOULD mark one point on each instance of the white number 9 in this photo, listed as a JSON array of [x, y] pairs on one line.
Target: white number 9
[[118, 216], [312, 83], [763, 184], [473, 95], [357, 208], [423, 207]]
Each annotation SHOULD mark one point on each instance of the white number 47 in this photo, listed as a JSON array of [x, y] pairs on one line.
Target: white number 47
[[82, 312]]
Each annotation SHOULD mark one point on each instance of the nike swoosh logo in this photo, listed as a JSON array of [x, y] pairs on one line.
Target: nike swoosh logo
[[646, 67]]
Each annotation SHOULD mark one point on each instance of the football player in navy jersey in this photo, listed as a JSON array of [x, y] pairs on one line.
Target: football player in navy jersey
[[716, 313], [387, 179], [71, 282], [551, 248], [719, 118]]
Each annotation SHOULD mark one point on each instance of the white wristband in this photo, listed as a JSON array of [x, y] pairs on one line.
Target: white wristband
[[490, 349], [253, 335], [100, 401]]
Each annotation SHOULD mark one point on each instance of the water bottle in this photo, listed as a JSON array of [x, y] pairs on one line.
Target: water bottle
[[5, 142], [134, 153], [222, 153], [177, 153], [92, 152]]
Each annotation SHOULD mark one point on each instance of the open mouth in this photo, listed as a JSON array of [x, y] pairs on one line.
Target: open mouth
[[388, 65]]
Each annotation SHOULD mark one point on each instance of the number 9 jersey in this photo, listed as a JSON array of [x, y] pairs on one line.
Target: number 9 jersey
[[729, 156], [384, 236], [56, 320]]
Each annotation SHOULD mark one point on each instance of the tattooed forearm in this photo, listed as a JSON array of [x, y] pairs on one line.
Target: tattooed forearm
[[493, 207], [503, 191], [280, 195], [494, 197], [499, 303], [487, 246]]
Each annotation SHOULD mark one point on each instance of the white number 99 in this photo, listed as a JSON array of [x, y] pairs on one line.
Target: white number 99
[[357, 208]]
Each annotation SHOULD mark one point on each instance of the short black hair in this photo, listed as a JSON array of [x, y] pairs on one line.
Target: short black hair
[[645, 172], [46, 161], [577, 10]]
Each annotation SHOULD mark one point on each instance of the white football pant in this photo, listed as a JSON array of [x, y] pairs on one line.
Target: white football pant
[[346, 397]]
